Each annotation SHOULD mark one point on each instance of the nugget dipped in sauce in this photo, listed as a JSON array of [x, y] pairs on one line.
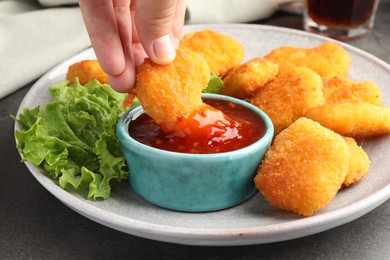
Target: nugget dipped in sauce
[[327, 59], [288, 96], [170, 92], [171, 95], [304, 168], [221, 51]]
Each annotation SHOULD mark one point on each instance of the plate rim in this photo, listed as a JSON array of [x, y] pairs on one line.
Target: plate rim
[[210, 236]]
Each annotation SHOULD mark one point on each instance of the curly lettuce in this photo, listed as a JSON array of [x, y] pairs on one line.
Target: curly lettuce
[[73, 137], [214, 85]]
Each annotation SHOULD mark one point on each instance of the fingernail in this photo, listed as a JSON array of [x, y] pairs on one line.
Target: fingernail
[[163, 49]]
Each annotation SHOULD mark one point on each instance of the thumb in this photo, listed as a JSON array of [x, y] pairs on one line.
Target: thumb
[[154, 21]]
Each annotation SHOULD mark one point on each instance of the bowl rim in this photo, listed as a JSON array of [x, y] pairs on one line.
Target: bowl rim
[[124, 137]]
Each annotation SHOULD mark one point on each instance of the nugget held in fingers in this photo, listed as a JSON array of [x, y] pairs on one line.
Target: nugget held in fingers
[[358, 164], [327, 59], [169, 92], [304, 168], [338, 89], [245, 79], [171, 95], [358, 120], [287, 97], [86, 71], [221, 51]]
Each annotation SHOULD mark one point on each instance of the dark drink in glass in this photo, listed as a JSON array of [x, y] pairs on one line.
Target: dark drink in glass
[[342, 19]]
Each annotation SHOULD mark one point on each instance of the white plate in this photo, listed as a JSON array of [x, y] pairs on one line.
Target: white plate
[[254, 221]]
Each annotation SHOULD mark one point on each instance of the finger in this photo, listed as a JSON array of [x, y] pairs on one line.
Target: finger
[[153, 20], [134, 28], [100, 22], [178, 21], [125, 80], [139, 52]]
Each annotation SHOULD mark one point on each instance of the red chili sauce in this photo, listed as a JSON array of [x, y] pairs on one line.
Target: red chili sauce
[[209, 131]]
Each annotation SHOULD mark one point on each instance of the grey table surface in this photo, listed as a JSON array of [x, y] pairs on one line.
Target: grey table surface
[[35, 225]]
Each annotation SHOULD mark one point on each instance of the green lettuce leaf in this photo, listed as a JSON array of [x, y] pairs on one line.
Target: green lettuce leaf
[[215, 84], [73, 137]]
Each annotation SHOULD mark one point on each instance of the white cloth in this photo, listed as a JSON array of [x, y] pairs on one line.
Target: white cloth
[[49, 3], [34, 38], [237, 11], [31, 42]]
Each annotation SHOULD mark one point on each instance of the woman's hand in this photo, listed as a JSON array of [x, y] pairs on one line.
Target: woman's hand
[[124, 32]]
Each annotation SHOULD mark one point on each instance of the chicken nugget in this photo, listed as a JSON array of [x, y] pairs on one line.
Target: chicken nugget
[[221, 51], [287, 97], [169, 92], [358, 164], [337, 89], [304, 168], [327, 59], [86, 71], [358, 120], [245, 79]]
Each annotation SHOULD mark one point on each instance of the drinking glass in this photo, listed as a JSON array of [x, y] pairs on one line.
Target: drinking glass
[[340, 19]]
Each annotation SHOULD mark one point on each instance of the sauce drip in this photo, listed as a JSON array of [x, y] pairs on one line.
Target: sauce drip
[[206, 131]]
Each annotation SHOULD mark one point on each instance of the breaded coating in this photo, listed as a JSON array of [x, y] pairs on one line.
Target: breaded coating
[[304, 168], [86, 71], [245, 79], [358, 164], [221, 51], [356, 120], [168, 92], [327, 59], [289, 96], [131, 95], [337, 89]]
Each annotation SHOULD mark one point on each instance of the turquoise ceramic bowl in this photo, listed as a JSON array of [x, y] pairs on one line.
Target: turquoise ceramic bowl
[[193, 182]]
